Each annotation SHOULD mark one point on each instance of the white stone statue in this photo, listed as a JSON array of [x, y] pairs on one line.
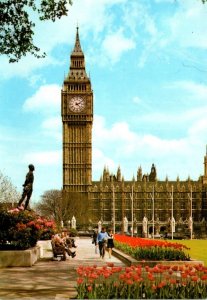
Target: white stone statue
[[125, 224], [190, 223], [173, 224], [144, 225], [99, 226], [73, 222]]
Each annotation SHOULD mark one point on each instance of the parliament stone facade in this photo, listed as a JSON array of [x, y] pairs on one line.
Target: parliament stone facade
[[123, 205]]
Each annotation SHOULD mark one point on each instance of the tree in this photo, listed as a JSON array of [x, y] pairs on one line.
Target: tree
[[50, 205], [16, 26], [79, 206], [63, 206], [8, 192]]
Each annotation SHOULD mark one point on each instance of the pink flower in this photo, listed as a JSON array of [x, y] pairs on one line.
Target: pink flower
[[79, 280], [204, 277], [89, 288], [194, 278], [110, 265]]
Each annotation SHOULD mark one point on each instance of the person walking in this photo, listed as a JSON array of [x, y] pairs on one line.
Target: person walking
[[110, 242], [28, 187], [102, 240], [94, 240]]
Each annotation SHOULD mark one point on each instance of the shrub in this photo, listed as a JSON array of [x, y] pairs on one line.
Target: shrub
[[48, 228], [73, 232], [20, 230]]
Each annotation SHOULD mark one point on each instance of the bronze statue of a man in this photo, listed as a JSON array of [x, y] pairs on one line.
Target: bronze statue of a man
[[27, 190]]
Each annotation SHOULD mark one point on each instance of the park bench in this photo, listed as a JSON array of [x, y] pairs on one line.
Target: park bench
[[58, 252]]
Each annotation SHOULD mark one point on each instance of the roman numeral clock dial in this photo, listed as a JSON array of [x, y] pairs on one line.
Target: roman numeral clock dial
[[77, 104]]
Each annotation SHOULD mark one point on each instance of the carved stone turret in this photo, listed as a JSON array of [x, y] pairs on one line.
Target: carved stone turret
[[153, 173], [205, 168], [139, 174], [118, 174]]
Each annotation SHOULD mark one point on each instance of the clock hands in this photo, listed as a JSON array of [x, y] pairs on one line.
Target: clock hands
[[77, 104]]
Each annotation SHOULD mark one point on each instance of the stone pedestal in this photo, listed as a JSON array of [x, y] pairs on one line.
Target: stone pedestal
[[45, 249]]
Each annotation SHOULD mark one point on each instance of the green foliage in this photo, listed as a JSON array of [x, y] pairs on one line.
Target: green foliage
[[18, 230], [16, 27], [142, 290], [153, 253], [73, 232], [51, 10], [22, 229], [47, 234]]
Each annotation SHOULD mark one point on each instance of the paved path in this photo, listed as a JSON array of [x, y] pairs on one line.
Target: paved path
[[49, 279]]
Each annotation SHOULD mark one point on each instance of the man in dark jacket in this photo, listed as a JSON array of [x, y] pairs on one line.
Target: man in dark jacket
[[27, 190]]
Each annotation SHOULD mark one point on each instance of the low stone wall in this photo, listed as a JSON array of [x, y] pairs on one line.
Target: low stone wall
[[128, 260], [19, 258]]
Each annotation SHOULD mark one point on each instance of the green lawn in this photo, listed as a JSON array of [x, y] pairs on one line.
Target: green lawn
[[198, 249]]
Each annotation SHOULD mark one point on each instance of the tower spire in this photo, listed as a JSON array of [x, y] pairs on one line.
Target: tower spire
[[77, 47]]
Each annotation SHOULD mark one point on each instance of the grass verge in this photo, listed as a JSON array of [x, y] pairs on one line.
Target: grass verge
[[198, 249]]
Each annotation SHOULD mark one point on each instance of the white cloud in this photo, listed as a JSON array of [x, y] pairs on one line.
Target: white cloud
[[173, 156], [115, 44], [164, 1], [45, 100], [189, 23], [176, 34], [53, 123], [195, 90], [99, 161], [25, 67], [44, 158], [91, 16], [199, 129], [52, 127]]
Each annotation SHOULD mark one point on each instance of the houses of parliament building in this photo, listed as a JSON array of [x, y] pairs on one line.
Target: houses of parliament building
[[164, 206]]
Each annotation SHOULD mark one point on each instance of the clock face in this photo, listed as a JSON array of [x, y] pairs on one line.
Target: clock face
[[77, 104]]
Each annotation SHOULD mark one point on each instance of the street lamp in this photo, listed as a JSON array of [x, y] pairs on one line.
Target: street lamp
[[190, 196], [172, 215], [113, 209], [153, 211], [132, 210]]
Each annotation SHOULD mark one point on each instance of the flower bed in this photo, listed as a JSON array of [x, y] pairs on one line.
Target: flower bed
[[145, 249], [135, 282]]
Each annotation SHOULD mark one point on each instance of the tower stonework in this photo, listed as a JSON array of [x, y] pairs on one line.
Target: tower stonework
[[77, 119]]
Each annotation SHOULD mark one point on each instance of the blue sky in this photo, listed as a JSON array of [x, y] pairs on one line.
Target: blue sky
[[148, 66]]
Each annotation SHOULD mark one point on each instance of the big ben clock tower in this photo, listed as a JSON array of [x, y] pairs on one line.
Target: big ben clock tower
[[77, 118]]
